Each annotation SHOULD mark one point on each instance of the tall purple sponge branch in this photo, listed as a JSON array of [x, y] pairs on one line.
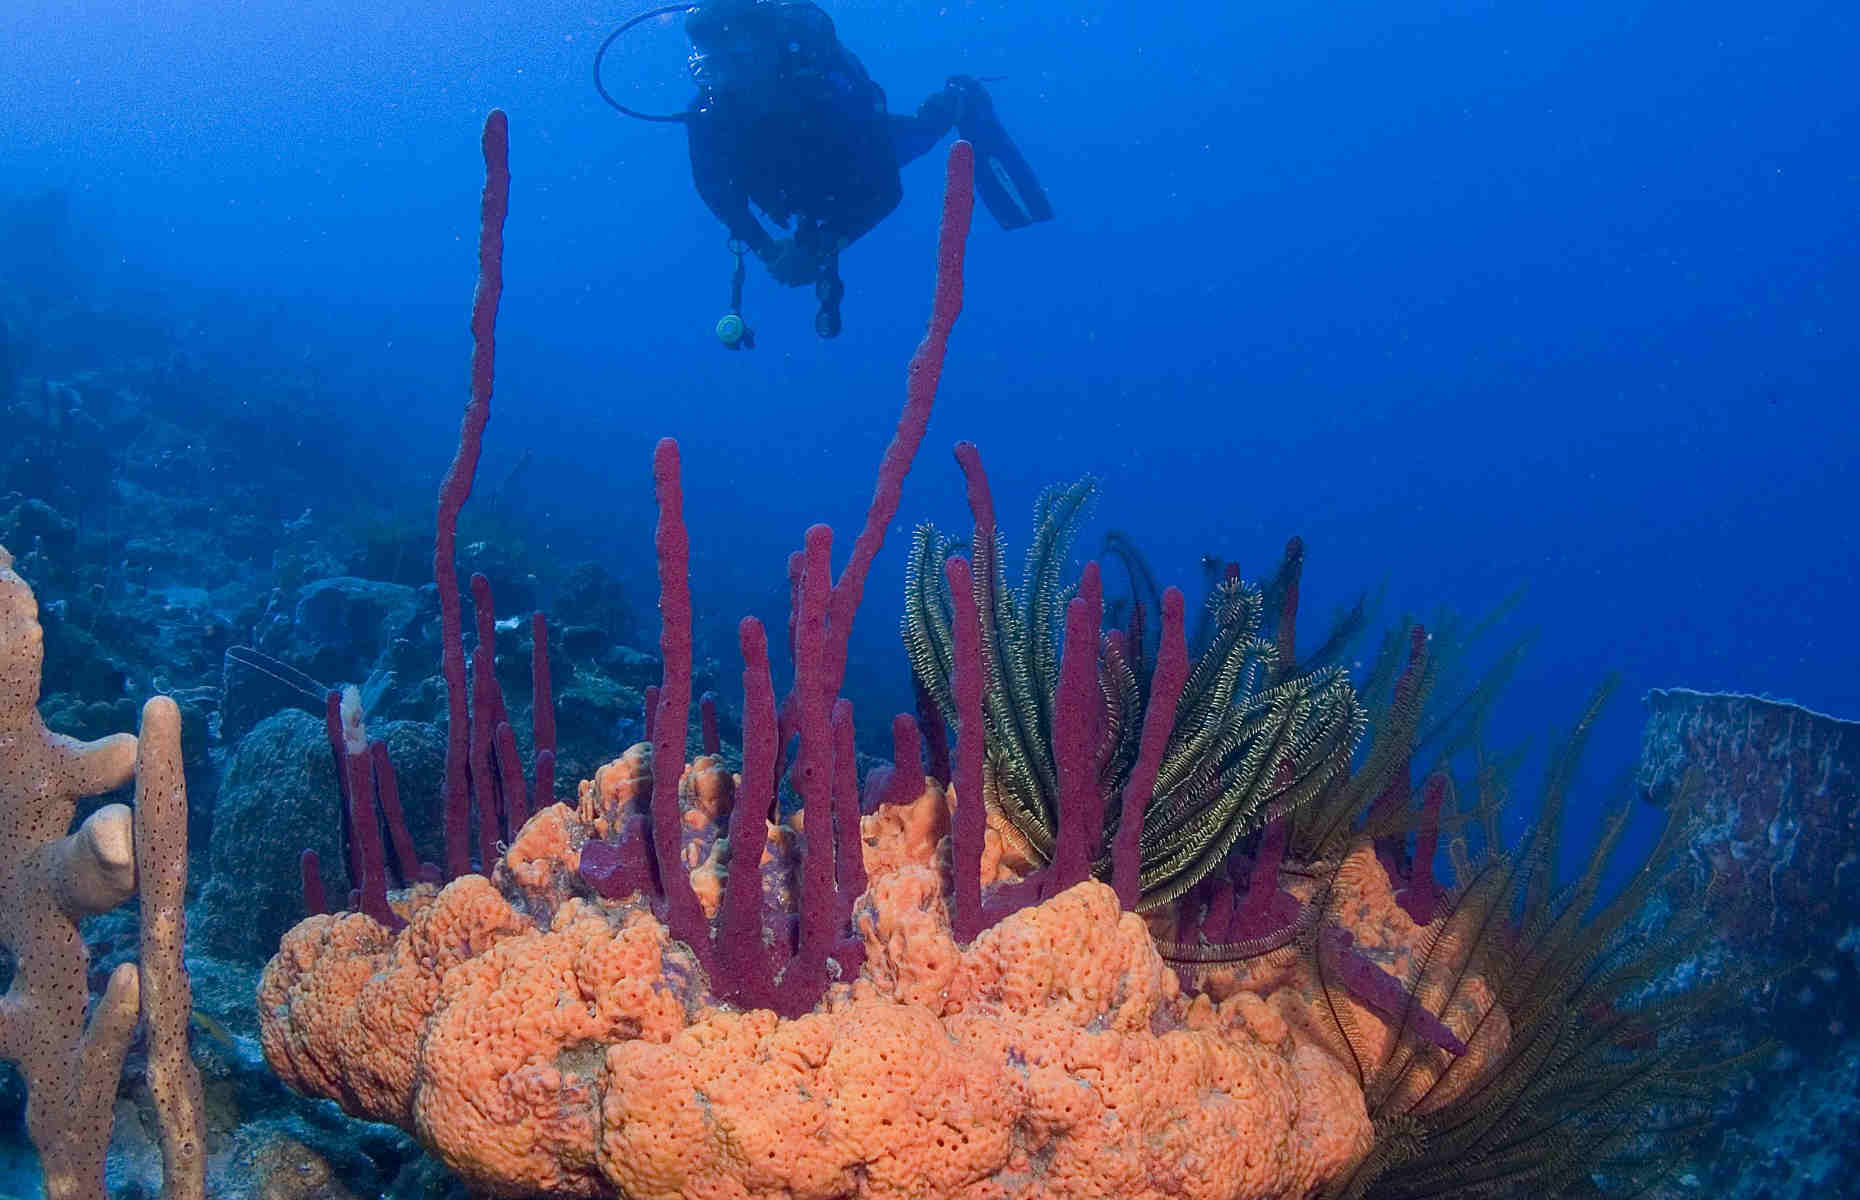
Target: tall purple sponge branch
[[1166, 684], [456, 487]]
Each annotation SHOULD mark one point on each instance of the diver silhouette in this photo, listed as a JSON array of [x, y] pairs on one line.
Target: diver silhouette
[[786, 119]]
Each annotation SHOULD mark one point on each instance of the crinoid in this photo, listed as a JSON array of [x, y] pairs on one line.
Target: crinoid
[[1593, 1066], [1250, 740]]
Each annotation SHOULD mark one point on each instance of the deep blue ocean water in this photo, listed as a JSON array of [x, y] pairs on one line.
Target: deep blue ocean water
[[1469, 296]]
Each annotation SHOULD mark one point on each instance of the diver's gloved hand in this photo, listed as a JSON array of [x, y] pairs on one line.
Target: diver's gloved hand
[[789, 264], [940, 109], [964, 94]]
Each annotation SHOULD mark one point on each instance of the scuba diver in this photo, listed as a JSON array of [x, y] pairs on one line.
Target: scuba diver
[[787, 120]]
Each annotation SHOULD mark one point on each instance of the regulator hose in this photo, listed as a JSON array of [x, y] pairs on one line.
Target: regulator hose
[[599, 55]]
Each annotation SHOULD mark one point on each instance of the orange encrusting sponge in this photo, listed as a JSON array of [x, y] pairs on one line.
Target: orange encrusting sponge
[[544, 1042]]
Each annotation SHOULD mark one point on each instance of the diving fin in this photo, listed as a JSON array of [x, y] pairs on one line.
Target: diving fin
[[1006, 183]]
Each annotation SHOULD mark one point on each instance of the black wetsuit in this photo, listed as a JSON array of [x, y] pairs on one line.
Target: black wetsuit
[[814, 144]]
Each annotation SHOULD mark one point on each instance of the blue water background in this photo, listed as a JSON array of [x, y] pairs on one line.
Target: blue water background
[[1467, 295]]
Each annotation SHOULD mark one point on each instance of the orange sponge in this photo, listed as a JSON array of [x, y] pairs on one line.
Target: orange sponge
[[545, 1042]]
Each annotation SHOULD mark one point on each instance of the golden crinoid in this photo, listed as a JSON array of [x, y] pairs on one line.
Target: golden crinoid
[[1252, 739]]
